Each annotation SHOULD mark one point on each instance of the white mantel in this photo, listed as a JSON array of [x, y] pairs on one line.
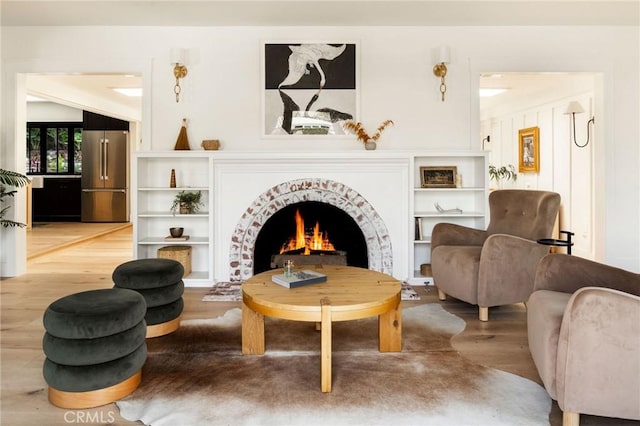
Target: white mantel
[[381, 178]]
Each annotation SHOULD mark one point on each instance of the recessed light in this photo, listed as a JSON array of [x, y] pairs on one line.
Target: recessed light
[[129, 91]]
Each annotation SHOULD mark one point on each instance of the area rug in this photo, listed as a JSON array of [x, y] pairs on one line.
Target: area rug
[[230, 291], [198, 376]]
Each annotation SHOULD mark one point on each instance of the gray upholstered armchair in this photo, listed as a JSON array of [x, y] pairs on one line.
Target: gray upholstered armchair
[[583, 325], [495, 266]]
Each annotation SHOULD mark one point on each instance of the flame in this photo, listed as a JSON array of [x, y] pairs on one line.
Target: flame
[[312, 241]]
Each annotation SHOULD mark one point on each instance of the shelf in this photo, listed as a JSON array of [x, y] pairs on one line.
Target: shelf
[[447, 189], [470, 197], [160, 188], [177, 215], [447, 215], [162, 241]]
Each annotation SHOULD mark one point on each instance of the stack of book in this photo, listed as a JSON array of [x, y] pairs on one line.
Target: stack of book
[[299, 279]]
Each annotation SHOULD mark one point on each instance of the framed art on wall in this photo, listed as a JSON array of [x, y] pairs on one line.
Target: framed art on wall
[[529, 149], [438, 177], [309, 89]]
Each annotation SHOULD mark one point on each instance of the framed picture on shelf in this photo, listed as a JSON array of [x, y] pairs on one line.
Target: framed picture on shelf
[[529, 150], [438, 176], [309, 88]]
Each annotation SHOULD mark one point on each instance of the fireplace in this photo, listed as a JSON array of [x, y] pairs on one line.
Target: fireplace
[[242, 250], [310, 232]]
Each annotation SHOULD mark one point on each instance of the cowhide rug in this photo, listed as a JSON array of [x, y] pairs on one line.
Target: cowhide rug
[[198, 376]]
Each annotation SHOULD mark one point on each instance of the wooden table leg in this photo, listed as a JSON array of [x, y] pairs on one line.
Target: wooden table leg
[[252, 332], [325, 345], [390, 330]]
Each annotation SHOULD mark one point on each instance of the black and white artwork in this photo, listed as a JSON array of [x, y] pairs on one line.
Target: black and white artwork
[[309, 88]]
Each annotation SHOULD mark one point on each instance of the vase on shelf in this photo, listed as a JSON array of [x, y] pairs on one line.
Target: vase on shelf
[[370, 145]]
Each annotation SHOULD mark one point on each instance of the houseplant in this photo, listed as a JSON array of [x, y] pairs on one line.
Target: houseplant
[[13, 179], [187, 202], [504, 173], [369, 141]]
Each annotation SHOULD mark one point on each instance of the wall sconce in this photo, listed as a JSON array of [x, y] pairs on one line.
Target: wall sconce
[[487, 140], [573, 109], [440, 68], [178, 60]]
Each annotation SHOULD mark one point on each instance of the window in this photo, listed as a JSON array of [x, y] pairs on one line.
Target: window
[[54, 148]]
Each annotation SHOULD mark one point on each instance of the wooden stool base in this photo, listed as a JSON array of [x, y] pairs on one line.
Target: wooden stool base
[[96, 398], [161, 329]]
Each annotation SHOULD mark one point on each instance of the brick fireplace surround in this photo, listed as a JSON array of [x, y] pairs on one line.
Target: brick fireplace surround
[[310, 189]]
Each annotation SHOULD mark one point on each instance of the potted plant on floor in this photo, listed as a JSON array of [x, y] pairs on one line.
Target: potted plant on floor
[[187, 202], [11, 179]]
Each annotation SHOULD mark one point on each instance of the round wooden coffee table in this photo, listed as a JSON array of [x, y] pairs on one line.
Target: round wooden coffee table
[[349, 293]]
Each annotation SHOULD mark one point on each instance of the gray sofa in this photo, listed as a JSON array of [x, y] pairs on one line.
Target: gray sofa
[[583, 324]]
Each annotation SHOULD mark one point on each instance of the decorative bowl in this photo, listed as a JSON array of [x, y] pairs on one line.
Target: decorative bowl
[[176, 232]]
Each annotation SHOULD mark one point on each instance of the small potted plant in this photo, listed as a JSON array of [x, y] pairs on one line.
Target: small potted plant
[[11, 179], [369, 141], [499, 174], [187, 202]]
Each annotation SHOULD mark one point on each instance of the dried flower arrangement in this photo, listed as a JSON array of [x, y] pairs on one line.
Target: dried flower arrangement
[[358, 129]]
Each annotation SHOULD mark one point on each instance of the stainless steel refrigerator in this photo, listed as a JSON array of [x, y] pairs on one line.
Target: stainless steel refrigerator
[[104, 176]]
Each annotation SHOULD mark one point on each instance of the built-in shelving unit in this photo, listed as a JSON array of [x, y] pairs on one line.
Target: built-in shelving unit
[[151, 208], [470, 196]]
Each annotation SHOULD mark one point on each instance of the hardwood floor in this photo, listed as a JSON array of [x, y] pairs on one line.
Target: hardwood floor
[[501, 343]]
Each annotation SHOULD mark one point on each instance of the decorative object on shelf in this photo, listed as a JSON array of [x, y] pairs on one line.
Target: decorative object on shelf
[[443, 210], [211, 144], [369, 141], [172, 181], [14, 179], [178, 60], [425, 270], [499, 174], [529, 149], [180, 253], [187, 202], [418, 228], [176, 232], [182, 143], [317, 92], [438, 176], [440, 68], [573, 109]]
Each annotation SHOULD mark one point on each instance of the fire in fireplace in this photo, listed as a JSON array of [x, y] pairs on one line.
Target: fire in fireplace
[[307, 241], [333, 234]]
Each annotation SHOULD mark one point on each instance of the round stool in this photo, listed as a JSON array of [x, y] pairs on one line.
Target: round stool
[[95, 347], [159, 281]]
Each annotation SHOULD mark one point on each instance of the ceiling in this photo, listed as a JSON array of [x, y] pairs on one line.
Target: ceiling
[[318, 13]]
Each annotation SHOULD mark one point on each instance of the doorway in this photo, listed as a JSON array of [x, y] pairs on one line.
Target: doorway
[[515, 101], [55, 98]]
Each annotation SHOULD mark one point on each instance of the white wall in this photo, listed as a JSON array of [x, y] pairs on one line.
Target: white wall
[[564, 168], [222, 94]]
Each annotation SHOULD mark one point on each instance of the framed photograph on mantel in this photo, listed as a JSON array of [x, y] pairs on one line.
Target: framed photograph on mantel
[[438, 177], [529, 149], [309, 88]]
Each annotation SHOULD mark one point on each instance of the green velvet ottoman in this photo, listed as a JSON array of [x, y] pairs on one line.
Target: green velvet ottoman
[[95, 347], [159, 281]]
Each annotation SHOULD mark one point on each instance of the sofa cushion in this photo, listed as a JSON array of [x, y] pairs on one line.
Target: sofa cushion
[[147, 273], [545, 310], [94, 313]]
